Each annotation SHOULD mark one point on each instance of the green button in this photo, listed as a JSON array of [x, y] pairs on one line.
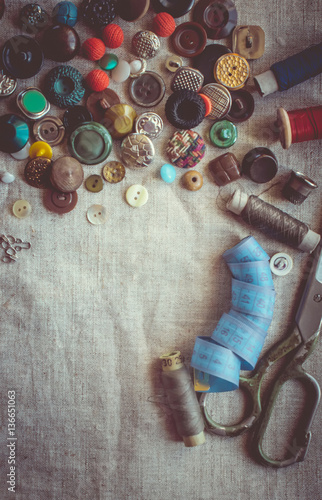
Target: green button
[[223, 134], [108, 61], [34, 101]]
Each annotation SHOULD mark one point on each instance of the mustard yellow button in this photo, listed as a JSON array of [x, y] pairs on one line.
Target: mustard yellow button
[[40, 148], [136, 195], [94, 183], [232, 71], [21, 209]]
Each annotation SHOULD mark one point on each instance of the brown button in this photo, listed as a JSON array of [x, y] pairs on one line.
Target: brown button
[[218, 17], [60, 43], [132, 10], [189, 39], [260, 165], [192, 180], [61, 203], [225, 169], [99, 102], [67, 174], [37, 172], [242, 106]]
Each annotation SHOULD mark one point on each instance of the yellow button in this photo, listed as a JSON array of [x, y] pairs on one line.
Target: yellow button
[[136, 195], [231, 70], [21, 209], [40, 148], [94, 183]]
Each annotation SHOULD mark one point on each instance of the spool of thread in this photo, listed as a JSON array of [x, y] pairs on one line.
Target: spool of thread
[[182, 399], [273, 222], [299, 125], [296, 69]]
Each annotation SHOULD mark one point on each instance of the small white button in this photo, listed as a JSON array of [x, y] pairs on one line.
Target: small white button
[[21, 209], [281, 264], [7, 178], [136, 195], [121, 72], [97, 214]]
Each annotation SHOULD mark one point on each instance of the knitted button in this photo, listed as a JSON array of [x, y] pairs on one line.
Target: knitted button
[[225, 169], [145, 44], [94, 183], [33, 18], [76, 116], [137, 150], [32, 103], [218, 17], [65, 13], [99, 102], [185, 109], [60, 43], [298, 188], [223, 134], [173, 63], [90, 143], [187, 78], [249, 41], [132, 10], [206, 61], [49, 129], [64, 86], [136, 195], [148, 89], [220, 100], [186, 148], [189, 39], [150, 124], [22, 57], [67, 174], [177, 8], [97, 215], [37, 172], [108, 62], [192, 180], [14, 133], [21, 209], [98, 13], [7, 84], [260, 165], [168, 173], [60, 203], [40, 149], [119, 120], [231, 70], [113, 172], [242, 106]]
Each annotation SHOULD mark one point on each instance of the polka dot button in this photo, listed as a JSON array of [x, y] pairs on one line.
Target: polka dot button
[[136, 195], [113, 172], [97, 214], [21, 209], [94, 183]]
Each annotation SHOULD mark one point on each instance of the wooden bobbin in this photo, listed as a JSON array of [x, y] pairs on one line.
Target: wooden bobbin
[[284, 126]]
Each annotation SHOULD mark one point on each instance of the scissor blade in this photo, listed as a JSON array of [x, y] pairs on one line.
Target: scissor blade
[[309, 315]]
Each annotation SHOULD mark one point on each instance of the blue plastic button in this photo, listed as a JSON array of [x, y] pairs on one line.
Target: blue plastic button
[[168, 173], [14, 133]]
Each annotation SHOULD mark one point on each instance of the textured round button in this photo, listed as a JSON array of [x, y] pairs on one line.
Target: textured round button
[[132, 10], [220, 100], [108, 61], [94, 183], [148, 89], [145, 44], [67, 174], [21, 209], [186, 148], [136, 195], [121, 72], [97, 215], [177, 8], [60, 43], [75, 116], [33, 18], [223, 134], [64, 86], [90, 143], [60, 203], [37, 172], [14, 133], [173, 63], [7, 84], [137, 67], [218, 17], [192, 180], [98, 13], [205, 62], [189, 39], [49, 129], [40, 148], [137, 150], [119, 120], [260, 165], [99, 102], [22, 57], [232, 70], [168, 173], [65, 13], [281, 264], [113, 172], [242, 106], [150, 124]]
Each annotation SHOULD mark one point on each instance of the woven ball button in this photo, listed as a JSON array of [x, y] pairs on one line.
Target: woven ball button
[[49, 129], [260, 165], [231, 70], [97, 215], [168, 173], [113, 172], [94, 183], [218, 17], [148, 89], [225, 169], [223, 134], [60, 203], [192, 180], [60, 43], [145, 44], [65, 13], [189, 39], [21, 209], [108, 62], [37, 172], [176, 8], [136, 195], [40, 148], [242, 106]]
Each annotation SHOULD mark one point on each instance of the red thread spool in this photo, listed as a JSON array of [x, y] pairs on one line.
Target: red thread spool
[[299, 125]]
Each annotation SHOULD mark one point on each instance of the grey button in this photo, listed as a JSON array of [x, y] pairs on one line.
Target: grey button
[[148, 89], [150, 124], [49, 129]]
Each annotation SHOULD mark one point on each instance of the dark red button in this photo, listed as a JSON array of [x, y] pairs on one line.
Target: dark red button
[[189, 39], [61, 203], [60, 43], [206, 61], [242, 106], [218, 17], [176, 8], [132, 10]]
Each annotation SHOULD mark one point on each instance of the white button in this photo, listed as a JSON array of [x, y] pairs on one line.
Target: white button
[[136, 195], [121, 72], [281, 264], [7, 178], [21, 209], [23, 154], [97, 214]]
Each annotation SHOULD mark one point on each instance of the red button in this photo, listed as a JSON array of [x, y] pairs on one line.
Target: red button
[[189, 39]]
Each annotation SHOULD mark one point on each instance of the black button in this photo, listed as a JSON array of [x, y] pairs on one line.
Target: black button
[[189, 39], [61, 43], [132, 10], [242, 106], [260, 165], [148, 89], [218, 17], [176, 8], [22, 56], [205, 62], [75, 116]]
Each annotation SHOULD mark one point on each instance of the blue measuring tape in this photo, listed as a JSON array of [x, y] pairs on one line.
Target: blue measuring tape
[[252, 299], [247, 250], [257, 273]]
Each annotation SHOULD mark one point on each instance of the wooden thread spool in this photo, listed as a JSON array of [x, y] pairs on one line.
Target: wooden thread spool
[[299, 125]]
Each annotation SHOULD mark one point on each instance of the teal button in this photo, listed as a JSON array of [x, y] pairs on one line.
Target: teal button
[[90, 143], [108, 62], [223, 134], [34, 101]]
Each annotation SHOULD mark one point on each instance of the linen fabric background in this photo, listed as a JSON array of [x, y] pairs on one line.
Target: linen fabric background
[[88, 310]]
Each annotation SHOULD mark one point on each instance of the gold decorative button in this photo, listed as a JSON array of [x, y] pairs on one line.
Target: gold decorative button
[[232, 70], [113, 172]]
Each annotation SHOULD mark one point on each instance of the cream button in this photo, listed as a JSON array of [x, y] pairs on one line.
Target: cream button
[[97, 214], [21, 209], [136, 195]]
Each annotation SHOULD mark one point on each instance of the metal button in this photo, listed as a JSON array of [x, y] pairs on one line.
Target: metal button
[[136, 195], [187, 78], [94, 183], [137, 67], [37, 172], [61, 203], [173, 63], [7, 84], [137, 150], [148, 89], [150, 124], [145, 44], [21, 209], [49, 129], [189, 39], [113, 172], [97, 215], [220, 99], [218, 17], [32, 103]]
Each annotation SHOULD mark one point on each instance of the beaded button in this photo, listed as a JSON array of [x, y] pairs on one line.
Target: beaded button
[[231, 70], [37, 172], [113, 172]]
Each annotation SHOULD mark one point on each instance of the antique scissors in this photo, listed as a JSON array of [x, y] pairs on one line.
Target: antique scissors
[[297, 347]]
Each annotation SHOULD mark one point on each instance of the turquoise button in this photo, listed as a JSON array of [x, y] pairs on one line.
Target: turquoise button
[[108, 61], [223, 134], [168, 173]]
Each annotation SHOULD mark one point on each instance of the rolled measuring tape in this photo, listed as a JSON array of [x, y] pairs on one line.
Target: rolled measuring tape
[[247, 250], [253, 299], [215, 367], [241, 339], [255, 322], [257, 273]]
